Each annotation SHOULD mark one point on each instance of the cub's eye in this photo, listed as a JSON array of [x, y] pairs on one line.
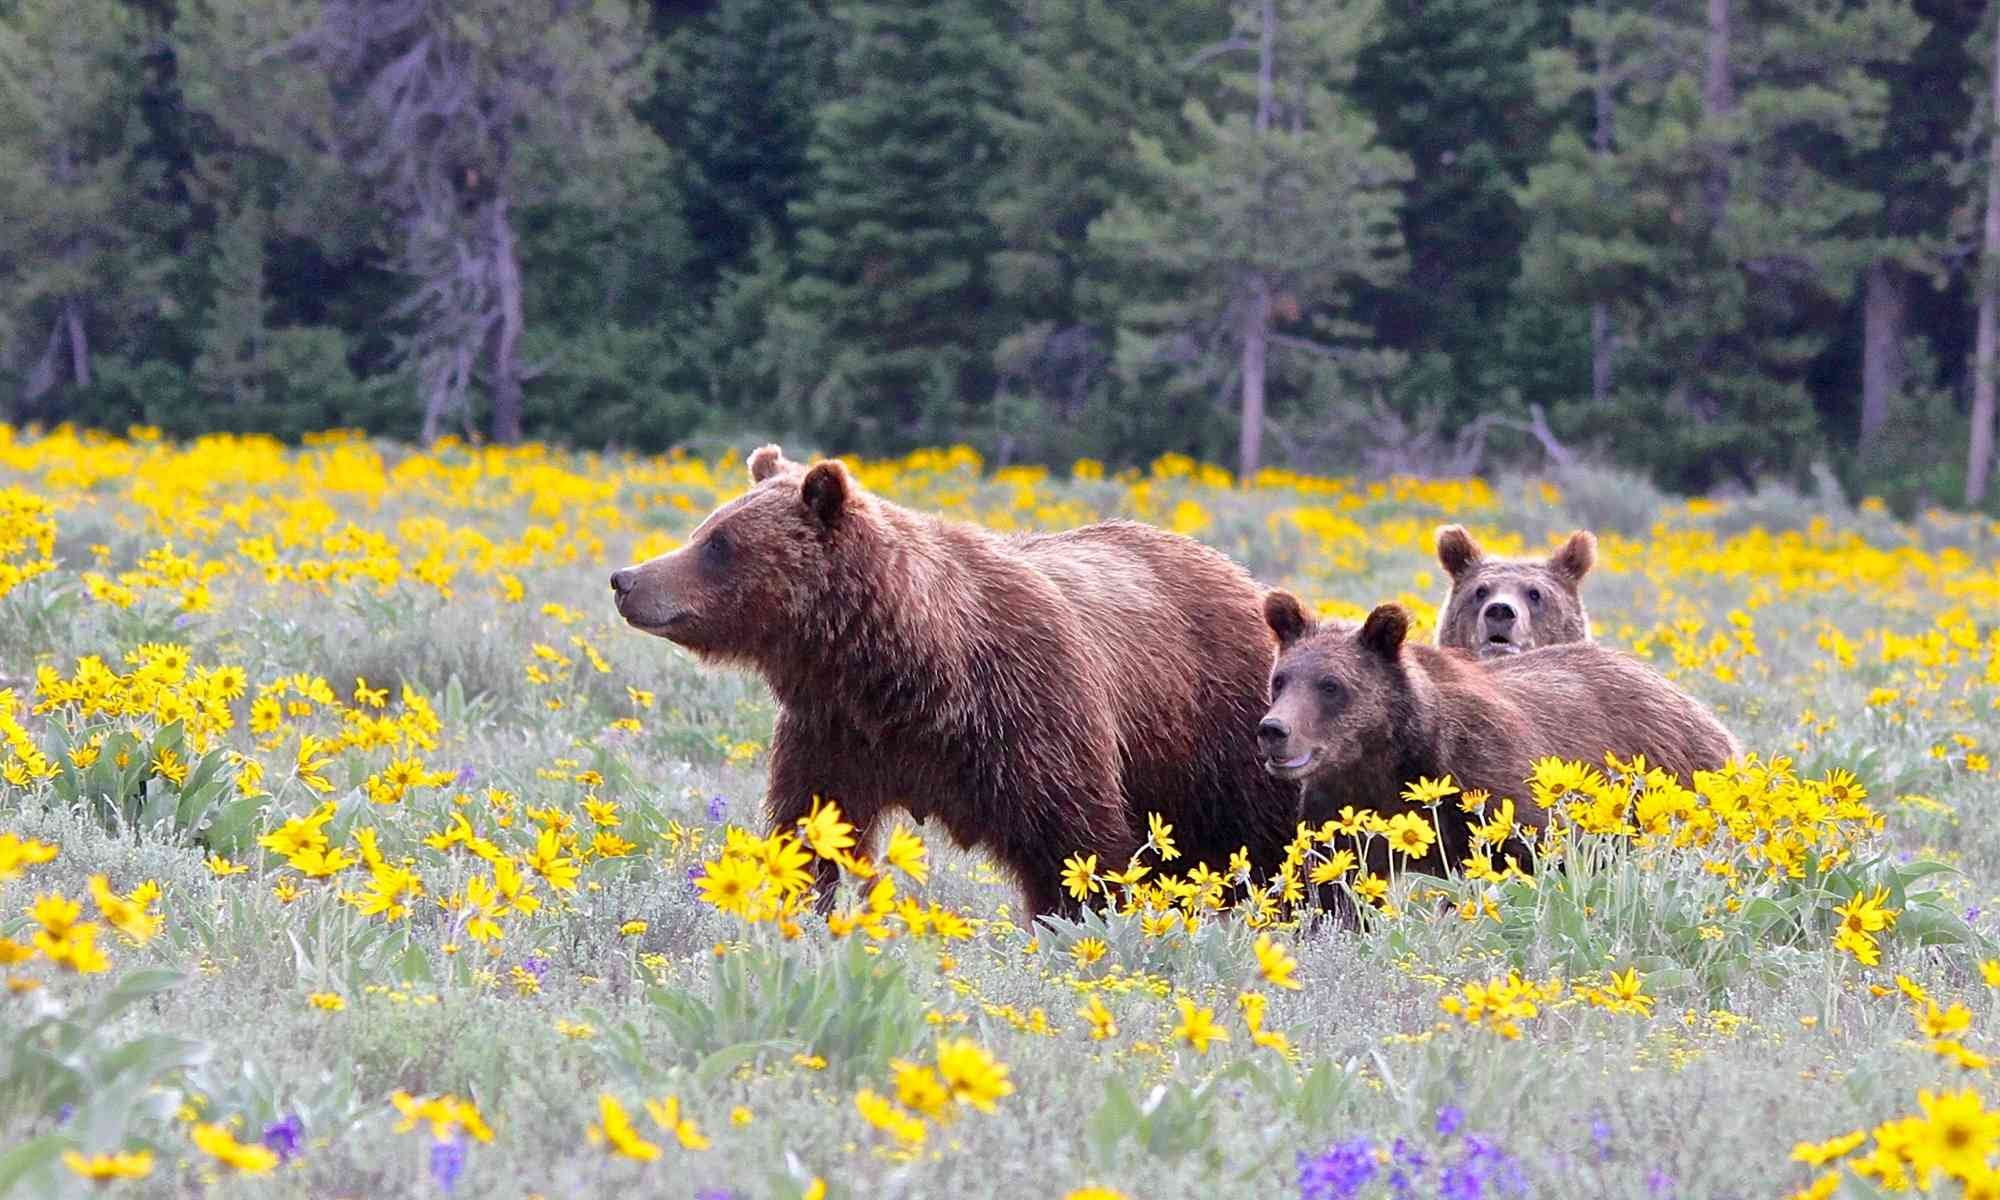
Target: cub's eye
[[1330, 688], [1278, 683], [716, 548], [1481, 592], [1534, 595]]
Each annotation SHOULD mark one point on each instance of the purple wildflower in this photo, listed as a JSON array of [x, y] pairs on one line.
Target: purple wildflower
[[1339, 1173], [717, 806], [1451, 1118], [466, 774], [447, 1161], [1600, 1136], [283, 1136], [536, 966], [1660, 1185], [64, 1113]]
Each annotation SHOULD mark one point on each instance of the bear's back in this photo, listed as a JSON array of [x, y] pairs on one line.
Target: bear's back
[[1583, 699]]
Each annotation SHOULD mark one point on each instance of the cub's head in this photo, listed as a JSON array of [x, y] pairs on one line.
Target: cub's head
[[1336, 689], [1507, 605], [749, 573]]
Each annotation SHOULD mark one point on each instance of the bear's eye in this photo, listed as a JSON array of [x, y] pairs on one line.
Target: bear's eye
[[1278, 683], [1330, 688], [716, 548], [1534, 595], [1481, 592]]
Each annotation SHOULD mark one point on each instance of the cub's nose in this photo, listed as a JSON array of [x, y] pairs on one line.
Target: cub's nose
[[1273, 730], [622, 581], [1499, 612]]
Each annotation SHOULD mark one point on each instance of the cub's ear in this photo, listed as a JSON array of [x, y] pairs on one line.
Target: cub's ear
[[766, 461], [1385, 629], [1457, 552], [1286, 617], [825, 490], [1577, 556]]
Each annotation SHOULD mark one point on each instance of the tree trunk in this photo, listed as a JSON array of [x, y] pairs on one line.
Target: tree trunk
[[1883, 313], [1600, 352], [1718, 96], [43, 377], [506, 359], [1257, 304], [1600, 311], [79, 341], [1979, 456], [1256, 328]]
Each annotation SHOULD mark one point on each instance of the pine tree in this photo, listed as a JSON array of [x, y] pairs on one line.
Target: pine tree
[[1449, 84], [75, 256], [736, 103], [894, 238], [436, 124], [230, 369], [1714, 228], [1094, 72], [1284, 206]]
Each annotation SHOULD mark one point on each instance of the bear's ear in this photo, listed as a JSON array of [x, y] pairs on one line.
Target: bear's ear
[[1385, 629], [825, 489], [766, 461], [1286, 617], [1457, 552], [1577, 556]]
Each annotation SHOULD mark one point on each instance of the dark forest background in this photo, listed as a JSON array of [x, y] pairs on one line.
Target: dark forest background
[[1714, 241]]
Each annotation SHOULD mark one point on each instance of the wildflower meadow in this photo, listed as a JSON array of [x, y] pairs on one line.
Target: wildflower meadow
[[350, 846]]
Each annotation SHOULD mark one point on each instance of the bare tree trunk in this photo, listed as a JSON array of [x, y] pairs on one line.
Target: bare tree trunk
[[1718, 96], [1257, 304], [1600, 312], [1979, 457], [1883, 313], [1600, 352], [79, 341], [506, 359], [43, 377], [1256, 319]]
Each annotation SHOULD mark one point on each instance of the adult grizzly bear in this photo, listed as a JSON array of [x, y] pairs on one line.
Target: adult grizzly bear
[[1357, 715], [1038, 695], [1498, 606]]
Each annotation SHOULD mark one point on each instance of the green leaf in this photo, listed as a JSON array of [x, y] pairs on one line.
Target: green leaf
[[29, 1157]]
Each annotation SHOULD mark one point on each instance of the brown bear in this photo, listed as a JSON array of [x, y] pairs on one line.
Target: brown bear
[[1497, 606], [1357, 715], [1038, 695]]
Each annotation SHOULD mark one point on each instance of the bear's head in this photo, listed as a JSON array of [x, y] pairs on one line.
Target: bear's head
[[1506, 605], [749, 573], [1338, 691]]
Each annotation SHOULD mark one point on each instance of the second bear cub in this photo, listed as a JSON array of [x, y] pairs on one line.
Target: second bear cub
[[1499, 606], [1357, 716]]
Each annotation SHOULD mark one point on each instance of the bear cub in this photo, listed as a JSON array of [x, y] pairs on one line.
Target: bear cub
[[1357, 715], [1497, 606]]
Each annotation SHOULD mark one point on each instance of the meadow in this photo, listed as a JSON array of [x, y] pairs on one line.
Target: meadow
[[351, 846]]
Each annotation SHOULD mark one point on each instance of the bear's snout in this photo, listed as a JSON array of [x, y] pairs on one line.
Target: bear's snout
[[1497, 613], [1272, 731], [622, 581]]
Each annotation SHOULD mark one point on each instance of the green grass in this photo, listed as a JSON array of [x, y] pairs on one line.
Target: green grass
[[1763, 1040]]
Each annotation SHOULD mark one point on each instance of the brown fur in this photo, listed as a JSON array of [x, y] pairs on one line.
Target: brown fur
[[1357, 715], [1037, 695], [1497, 606]]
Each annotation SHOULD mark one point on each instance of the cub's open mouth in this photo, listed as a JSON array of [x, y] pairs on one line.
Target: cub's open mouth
[[1290, 768], [1499, 645]]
